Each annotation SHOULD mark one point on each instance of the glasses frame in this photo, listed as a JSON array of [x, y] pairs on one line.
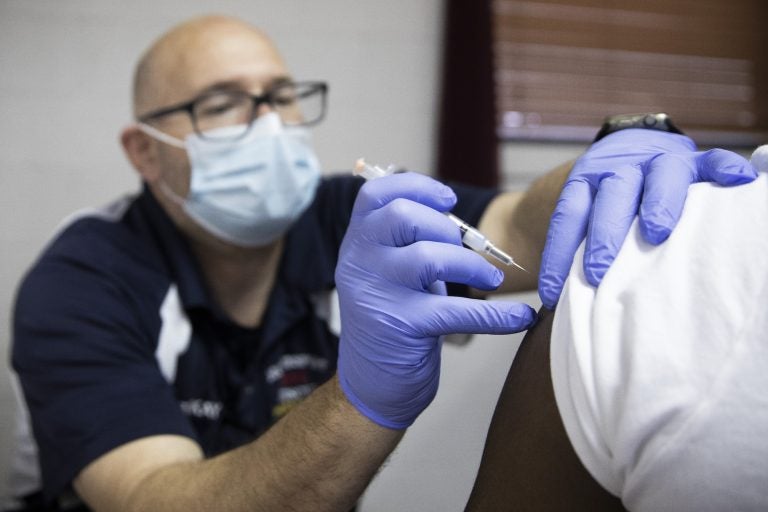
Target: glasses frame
[[257, 99]]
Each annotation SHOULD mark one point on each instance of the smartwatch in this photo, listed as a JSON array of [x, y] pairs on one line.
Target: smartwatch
[[658, 121]]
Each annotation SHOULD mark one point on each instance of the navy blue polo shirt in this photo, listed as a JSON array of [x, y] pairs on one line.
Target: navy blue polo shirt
[[116, 336]]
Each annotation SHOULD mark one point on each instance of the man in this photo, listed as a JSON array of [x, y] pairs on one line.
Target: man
[[195, 315], [649, 391]]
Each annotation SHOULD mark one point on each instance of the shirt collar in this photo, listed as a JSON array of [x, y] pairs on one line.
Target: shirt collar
[[306, 267]]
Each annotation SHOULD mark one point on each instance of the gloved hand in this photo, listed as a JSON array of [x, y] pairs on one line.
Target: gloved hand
[[629, 168], [397, 253]]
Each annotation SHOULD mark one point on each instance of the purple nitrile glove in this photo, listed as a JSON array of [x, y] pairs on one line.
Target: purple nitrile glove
[[396, 256], [628, 169]]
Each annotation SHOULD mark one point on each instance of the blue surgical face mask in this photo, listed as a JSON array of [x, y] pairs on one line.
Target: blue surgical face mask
[[247, 191]]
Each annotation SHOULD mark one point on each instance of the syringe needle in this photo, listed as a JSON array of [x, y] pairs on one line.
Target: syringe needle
[[521, 268], [474, 239], [503, 257]]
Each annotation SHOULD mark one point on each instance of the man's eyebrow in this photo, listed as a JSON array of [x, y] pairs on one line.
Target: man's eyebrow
[[281, 80], [238, 85], [223, 85]]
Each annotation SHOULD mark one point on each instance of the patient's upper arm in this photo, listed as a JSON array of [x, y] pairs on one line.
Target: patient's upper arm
[[528, 463], [659, 375]]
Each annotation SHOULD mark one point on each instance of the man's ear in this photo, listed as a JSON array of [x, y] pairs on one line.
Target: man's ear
[[141, 151]]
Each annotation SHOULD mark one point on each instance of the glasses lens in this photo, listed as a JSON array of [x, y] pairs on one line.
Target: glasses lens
[[223, 115], [299, 103]]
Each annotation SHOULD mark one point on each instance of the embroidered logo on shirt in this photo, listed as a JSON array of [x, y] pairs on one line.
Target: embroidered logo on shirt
[[291, 362], [292, 375]]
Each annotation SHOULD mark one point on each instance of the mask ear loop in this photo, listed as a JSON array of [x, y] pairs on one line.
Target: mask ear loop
[[170, 194], [161, 136], [171, 141]]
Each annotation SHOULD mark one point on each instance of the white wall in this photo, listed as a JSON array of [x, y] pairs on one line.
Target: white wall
[[65, 69]]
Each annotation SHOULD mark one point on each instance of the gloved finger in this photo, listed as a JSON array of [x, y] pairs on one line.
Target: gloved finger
[[567, 229], [418, 265], [459, 315], [438, 288], [668, 177], [402, 222], [724, 168], [759, 159], [614, 209], [409, 185]]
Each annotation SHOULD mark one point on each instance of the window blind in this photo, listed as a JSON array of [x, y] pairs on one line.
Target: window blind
[[561, 66]]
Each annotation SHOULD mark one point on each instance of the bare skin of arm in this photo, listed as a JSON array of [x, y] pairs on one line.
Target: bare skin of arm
[[518, 221], [322, 455], [319, 457], [528, 463]]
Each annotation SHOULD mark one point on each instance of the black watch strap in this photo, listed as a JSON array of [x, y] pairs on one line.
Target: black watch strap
[[658, 121]]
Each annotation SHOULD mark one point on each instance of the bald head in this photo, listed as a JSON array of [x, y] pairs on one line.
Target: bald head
[[200, 54]]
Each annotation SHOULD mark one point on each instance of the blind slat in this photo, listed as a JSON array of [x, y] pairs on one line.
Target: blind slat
[[570, 63]]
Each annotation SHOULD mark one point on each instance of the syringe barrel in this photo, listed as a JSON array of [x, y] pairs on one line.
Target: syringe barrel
[[471, 237]]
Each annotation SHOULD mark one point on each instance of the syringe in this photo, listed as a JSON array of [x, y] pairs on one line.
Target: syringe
[[471, 237]]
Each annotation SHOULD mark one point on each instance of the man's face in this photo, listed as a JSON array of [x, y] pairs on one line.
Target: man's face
[[189, 62], [219, 56]]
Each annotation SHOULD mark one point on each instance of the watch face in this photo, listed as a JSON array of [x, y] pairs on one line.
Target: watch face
[[649, 121]]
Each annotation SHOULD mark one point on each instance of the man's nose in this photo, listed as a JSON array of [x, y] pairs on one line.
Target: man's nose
[[264, 108]]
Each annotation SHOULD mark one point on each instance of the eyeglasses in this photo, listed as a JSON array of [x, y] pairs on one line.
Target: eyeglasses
[[297, 104]]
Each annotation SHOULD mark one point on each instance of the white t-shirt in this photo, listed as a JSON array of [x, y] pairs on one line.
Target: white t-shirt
[[661, 374]]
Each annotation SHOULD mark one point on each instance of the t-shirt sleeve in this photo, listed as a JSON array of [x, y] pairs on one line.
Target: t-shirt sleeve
[[86, 364], [660, 373]]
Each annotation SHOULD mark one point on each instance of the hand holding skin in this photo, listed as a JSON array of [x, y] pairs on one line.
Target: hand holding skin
[[397, 253], [627, 172]]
